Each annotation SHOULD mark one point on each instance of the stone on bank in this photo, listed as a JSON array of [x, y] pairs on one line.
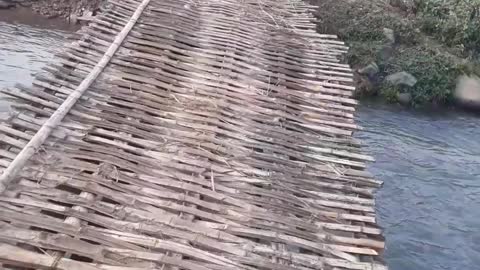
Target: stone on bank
[[370, 70], [401, 78], [467, 92], [404, 98]]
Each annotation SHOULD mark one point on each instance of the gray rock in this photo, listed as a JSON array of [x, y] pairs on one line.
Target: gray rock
[[405, 5], [467, 92], [401, 78], [369, 70], [404, 98], [389, 35], [4, 4], [386, 52]]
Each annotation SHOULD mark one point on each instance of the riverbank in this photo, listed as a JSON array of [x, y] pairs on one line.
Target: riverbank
[[408, 51], [70, 10], [25, 16]]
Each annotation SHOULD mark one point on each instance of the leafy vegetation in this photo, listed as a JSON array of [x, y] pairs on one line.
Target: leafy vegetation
[[436, 73], [454, 22], [435, 40]]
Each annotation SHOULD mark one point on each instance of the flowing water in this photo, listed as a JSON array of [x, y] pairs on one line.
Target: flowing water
[[430, 162], [27, 43], [430, 202]]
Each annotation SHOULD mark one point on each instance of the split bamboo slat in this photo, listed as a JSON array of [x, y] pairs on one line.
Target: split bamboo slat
[[189, 134]]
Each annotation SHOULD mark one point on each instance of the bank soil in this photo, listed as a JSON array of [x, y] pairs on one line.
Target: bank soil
[[71, 10]]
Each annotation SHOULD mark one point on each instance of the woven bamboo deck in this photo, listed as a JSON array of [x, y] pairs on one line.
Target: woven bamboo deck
[[219, 136]]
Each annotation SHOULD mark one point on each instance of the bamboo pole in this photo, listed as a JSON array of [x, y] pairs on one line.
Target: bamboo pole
[[42, 134]]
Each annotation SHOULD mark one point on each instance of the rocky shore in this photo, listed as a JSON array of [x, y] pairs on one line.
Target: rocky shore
[[415, 52], [70, 10]]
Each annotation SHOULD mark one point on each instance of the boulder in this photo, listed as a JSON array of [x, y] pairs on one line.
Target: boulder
[[405, 5], [404, 98], [370, 70], [389, 35], [5, 4], [386, 52], [401, 79], [467, 92]]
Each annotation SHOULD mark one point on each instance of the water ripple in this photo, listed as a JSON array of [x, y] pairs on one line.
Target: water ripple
[[430, 202], [24, 50]]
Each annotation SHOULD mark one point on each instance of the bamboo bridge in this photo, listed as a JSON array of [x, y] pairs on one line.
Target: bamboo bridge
[[189, 134]]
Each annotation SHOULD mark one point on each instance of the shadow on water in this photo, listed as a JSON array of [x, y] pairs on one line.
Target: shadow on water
[[27, 43], [430, 202]]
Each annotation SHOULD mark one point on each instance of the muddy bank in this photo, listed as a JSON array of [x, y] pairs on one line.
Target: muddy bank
[[25, 16], [70, 10]]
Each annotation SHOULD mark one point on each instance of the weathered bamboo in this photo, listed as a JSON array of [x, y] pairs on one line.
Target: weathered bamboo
[[217, 137], [55, 119]]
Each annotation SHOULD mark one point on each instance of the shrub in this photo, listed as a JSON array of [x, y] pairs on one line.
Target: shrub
[[436, 73], [362, 21], [454, 22], [389, 92], [362, 53]]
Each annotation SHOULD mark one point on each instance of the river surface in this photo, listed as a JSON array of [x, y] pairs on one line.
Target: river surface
[[27, 43], [429, 161], [430, 202]]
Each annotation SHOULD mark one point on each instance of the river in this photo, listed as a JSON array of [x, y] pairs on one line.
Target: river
[[27, 43], [430, 202], [429, 161]]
